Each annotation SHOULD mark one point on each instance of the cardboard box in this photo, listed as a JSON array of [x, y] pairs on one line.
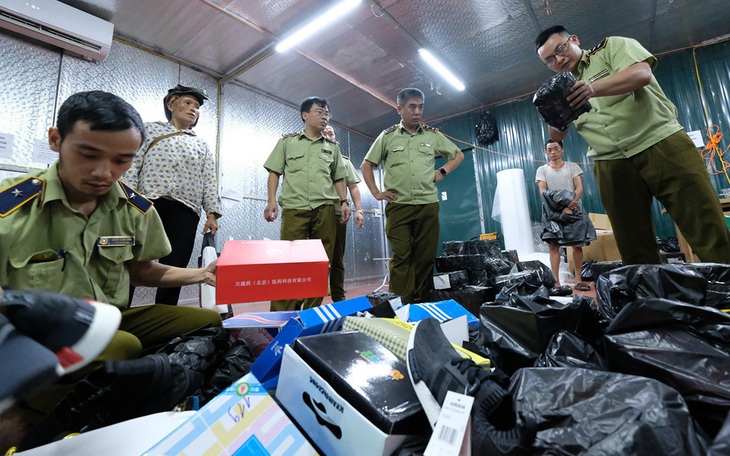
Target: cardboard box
[[267, 270], [258, 329], [311, 321], [442, 311], [331, 421], [244, 419]]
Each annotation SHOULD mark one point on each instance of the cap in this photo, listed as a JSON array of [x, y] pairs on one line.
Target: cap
[[178, 90]]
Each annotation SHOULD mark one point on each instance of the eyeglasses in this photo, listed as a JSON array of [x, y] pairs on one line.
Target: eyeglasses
[[560, 50], [322, 113]]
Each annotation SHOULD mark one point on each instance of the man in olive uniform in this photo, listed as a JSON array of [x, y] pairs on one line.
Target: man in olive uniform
[[408, 151], [640, 150], [75, 229], [337, 270], [313, 180]]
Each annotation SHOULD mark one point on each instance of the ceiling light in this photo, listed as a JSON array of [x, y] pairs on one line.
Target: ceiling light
[[441, 69], [317, 24]]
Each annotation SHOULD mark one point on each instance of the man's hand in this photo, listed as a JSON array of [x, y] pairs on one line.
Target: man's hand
[[581, 92], [345, 213], [210, 224], [388, 195], [437, 176], [209, 273], [271, 211], [359, 220]]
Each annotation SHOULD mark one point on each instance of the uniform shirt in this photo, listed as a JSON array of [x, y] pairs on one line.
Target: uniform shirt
[[621, 126], [179, 167], [559, 179], [310, 168], [409, 161], [51, 247], [352, 178]]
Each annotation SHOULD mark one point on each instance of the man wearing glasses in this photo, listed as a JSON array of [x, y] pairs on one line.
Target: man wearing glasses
[[640, 150], [313, 180]]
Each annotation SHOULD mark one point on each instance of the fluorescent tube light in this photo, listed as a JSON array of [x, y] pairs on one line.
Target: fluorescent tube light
[[328, 17], [441, 69]]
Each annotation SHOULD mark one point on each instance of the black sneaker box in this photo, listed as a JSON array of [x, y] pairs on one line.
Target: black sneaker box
[[369, 376]]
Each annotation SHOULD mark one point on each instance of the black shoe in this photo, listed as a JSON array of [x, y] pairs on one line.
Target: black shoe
[[74, 329], [436, 368], [563, 290]]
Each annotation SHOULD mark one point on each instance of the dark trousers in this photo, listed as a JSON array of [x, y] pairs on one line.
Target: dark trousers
[[413, 233], [337, 269], [319, 223], [673, 172], [181, 224]]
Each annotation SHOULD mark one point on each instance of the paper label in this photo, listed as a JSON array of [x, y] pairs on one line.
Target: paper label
[[452, 432]]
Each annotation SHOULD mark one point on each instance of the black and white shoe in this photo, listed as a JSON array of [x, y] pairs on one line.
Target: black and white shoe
[[435, 368], [77, 331]]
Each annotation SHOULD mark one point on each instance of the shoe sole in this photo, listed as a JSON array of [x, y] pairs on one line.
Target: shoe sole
[[428, 401], [102, 329]]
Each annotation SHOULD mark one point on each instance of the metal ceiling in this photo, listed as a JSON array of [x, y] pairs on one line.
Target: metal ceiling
[[361, 63]]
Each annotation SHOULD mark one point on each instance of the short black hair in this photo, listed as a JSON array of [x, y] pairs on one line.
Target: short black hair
[[560, 143], [101, 110], [547, 33], [408, 93], [311, 101]]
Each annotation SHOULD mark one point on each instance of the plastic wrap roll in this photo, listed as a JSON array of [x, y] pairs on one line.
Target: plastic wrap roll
[[511, 210]]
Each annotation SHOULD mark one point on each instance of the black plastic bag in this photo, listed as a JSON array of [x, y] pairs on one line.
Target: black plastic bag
[[718, 283], [568, 350], [624, 285], [470, 297], [584, 411], [685, 346], [591, 270], [552, 104], [517, 332], [487, 247], [486, 129]]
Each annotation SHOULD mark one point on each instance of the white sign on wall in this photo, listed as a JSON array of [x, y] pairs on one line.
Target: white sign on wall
[[6, 145], [42, 153], [697, 138]]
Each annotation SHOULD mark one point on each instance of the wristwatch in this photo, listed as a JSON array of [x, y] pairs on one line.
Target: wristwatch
[[344, 202], [442, 171]]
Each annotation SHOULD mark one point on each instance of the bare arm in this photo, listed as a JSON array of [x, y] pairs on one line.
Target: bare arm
[[557, 135], [342, 194], [272, 209], [542, 185], [154, 274], [369, 177], [449, 166], [628, 80], [355, 193], [578, 184]]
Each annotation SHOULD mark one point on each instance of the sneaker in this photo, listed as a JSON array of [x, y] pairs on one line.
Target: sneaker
[[436, 368], [77, 331]]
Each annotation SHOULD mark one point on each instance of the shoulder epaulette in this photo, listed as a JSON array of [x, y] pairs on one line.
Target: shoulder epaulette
[[598, 47], [346, 157], [16, 195], [136, 199], [426, 127], [289, 135], [391, 129]]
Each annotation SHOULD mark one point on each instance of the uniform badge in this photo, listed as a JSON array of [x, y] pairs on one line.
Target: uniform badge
[[115, 241]]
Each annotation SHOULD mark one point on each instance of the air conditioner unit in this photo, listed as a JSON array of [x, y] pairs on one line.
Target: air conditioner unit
[[53, 22]]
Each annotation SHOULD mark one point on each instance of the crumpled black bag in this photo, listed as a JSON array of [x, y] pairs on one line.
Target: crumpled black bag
[[683, 345], [626, 284], [517, 332], [565, 229], [568, 350], [585, 411], [550, 100], [718, 283], [486, 129], [591, 270]]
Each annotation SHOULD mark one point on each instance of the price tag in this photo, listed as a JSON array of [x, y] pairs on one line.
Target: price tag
[[452, 434]]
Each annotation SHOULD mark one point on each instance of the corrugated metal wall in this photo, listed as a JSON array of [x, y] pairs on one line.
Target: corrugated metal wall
[[36, 80], [522, 131]]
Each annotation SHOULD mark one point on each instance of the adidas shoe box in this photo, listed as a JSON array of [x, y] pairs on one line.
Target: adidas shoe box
[[442, 311], [350, 395], [242, 420], [311, 321], [250, 271]]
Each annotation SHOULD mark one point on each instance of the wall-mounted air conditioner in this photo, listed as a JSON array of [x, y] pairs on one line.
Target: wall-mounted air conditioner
[[53, 22]]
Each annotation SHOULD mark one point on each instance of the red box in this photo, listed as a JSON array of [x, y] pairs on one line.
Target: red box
[[265, 270]]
